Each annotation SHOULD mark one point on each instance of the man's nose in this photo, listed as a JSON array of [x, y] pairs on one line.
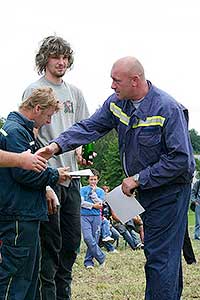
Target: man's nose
[[61, 60], [113, 86]]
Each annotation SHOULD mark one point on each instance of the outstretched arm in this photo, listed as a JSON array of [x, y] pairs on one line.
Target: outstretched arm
[[25, 160]]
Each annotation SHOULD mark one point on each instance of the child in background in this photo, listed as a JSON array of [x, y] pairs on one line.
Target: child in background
[[106, 231], [92, 198]]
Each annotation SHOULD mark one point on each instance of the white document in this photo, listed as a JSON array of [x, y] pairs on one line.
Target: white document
[[124, 207], [85, 172]]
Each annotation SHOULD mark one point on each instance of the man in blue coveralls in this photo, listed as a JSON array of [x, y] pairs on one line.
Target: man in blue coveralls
[[156, 154]]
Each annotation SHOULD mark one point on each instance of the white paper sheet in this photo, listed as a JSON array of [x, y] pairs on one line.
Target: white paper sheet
[[85, 172], [124, 207]]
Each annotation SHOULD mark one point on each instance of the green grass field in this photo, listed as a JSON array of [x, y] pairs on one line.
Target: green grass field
[[191, 218], [123, 276]]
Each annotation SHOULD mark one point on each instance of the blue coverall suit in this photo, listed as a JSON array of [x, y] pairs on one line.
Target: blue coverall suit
[[22, 207], [154, 143]]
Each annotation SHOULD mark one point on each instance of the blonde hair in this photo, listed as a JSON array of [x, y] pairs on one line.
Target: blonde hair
[[45, 97]]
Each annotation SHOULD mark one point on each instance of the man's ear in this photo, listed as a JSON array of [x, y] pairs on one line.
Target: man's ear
[[37, 108], [134, 80]]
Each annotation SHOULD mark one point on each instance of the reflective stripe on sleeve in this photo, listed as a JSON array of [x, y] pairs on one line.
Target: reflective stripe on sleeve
[[2, 131]]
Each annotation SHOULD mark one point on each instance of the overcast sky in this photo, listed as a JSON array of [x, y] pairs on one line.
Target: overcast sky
[[163, 35]]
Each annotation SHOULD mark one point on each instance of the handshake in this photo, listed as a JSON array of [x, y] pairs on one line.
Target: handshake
[[47, 152]]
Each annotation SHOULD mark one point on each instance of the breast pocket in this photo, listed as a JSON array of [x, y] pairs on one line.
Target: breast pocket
[[149, 148]]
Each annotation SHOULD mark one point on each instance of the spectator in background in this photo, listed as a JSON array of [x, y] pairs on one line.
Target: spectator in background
[[105, 229], [195, 197], [113, 233], [92, 198], [128, 230], [109, 246]]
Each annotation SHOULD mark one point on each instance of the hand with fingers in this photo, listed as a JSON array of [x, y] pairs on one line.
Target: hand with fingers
[[52, 201], [129, 185], [82, 161], [98, 205], [63, 174], [30, 161], [48, 151]]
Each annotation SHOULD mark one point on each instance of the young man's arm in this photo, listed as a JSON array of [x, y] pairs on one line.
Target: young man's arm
[[25, 160]]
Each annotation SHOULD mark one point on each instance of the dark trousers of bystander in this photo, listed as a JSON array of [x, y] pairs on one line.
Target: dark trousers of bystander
[[60, 241]]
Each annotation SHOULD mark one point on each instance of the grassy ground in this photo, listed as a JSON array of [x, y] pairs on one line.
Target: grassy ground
[[123, 276]]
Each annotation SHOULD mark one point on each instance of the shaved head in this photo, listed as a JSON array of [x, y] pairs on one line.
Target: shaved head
[[130, 65], [128, 79]]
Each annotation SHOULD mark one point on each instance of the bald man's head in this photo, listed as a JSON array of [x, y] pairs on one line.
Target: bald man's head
[[129, 65], [128, 78]]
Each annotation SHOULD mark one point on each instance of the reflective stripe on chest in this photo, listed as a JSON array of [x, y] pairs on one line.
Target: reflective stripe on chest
[[124, 118]]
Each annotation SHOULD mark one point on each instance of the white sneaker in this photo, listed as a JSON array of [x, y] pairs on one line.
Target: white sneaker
[[102, 265], [114, 251], [89, 267], [139, 246], [108, 239]]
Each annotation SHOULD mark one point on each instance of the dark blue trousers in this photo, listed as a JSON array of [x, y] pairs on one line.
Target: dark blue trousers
[[165, 222], [20, 260]]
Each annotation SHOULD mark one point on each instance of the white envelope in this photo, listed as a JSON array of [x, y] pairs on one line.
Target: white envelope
[[125, 207], [85, 172]]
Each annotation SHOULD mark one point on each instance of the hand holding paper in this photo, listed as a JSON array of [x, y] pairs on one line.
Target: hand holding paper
[[125, 207]]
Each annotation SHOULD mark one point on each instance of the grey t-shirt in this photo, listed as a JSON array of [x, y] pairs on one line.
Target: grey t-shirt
[[74, 109]]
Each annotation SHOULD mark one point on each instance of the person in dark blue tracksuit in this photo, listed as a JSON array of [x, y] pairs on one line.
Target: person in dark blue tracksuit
[[156, 154], [22, 198]]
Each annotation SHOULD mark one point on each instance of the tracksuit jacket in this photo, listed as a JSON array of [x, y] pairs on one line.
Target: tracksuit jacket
[[22, 192]]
